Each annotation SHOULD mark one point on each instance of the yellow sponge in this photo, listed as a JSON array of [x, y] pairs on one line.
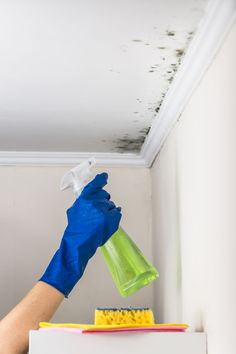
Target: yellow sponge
[[115, 316]]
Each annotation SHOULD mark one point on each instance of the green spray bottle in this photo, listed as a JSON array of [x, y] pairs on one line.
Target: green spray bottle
[[129, 268]]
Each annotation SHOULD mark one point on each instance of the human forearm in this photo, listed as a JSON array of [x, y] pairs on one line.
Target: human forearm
[[38, 305]]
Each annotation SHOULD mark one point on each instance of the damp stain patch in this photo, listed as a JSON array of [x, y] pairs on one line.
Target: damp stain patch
[[171, 68], [128, 144], [170, 58]]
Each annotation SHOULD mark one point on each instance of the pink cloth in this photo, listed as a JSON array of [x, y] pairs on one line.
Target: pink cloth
[[139, 329], [116, 330]]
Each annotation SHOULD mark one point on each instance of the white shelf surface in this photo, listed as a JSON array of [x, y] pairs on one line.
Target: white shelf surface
[[55, 342]]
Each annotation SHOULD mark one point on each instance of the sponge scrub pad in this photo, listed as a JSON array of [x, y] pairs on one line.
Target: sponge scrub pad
[[127, 316]]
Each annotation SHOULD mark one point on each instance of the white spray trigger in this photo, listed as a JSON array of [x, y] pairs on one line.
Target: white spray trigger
[[78, 177]]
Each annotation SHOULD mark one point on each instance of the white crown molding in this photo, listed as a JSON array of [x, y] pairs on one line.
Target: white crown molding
[[68, 158], [211, 32]]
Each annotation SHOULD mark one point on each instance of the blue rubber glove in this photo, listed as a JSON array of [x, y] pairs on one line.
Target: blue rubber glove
[[92, 219]]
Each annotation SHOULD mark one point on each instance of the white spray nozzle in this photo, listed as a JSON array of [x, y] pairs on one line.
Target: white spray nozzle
[[78, 177]]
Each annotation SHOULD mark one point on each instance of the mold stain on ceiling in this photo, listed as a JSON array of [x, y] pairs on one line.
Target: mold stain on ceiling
[[88, 76]]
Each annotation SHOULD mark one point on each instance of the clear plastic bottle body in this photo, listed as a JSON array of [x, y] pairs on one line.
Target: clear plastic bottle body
[[129, 268]]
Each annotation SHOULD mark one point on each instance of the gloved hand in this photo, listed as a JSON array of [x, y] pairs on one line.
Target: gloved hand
[[92, 219]]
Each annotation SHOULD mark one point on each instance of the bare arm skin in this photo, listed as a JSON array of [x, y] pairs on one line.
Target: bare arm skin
[[38, 305]]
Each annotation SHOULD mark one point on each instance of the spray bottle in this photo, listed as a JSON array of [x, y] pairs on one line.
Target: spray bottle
[[129, 268]]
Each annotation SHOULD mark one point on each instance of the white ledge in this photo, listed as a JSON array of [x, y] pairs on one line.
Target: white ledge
[[55, 342], [68, 158]]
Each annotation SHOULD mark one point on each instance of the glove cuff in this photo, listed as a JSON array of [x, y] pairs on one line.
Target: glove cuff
[[58, 276]]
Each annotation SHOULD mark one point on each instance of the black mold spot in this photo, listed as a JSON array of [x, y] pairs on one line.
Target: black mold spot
[[161, 47], [174, 67], [191, 33], [145, 130], [147, 43], [128, 144], [137, 40], [179, 52], [157, 109], [135, 112], [170, 33], [151, 71]]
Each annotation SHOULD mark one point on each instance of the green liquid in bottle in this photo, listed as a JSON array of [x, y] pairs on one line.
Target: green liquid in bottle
[[129, 268]]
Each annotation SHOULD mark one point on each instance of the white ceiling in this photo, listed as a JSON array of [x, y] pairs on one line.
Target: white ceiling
[[88, 76]]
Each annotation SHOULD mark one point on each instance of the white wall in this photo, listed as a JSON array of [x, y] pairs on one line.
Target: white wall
[[194, 206], [32, 221]]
